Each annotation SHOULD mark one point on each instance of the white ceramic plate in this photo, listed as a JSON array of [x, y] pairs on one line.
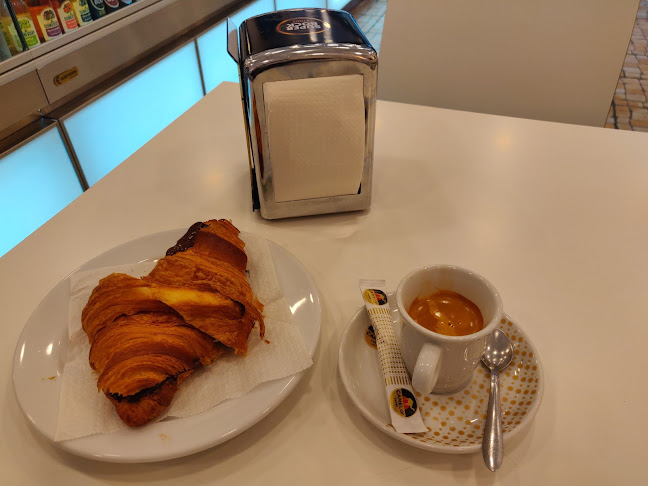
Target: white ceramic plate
[[456, 421], [41, 351]]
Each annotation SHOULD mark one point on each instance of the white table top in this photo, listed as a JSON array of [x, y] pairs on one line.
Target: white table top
[[554, 215]]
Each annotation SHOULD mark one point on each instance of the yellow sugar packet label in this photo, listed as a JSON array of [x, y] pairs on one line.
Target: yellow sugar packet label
[[403, 408]]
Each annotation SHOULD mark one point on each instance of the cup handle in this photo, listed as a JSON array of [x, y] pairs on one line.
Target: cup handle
[[426, 369]]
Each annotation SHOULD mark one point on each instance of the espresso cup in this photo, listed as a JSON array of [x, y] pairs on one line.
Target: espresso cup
[[436, 362]]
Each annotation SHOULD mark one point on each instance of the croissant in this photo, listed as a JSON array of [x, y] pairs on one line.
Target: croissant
[[148, 334]]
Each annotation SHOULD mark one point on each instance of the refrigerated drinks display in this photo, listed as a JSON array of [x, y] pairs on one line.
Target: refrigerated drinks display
[[163, 58], [9, 31], [82, 12], [5, 53], [65, 13], [26, 23], [45, 19], [97, 8], [111, 5]]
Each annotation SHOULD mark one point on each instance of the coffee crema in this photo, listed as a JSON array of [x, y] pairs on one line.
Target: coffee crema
[[448, 313]]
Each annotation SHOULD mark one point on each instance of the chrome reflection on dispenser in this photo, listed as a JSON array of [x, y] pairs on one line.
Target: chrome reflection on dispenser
[[303, 44]]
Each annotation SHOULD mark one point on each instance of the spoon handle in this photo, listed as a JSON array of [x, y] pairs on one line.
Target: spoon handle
[[492, 445]]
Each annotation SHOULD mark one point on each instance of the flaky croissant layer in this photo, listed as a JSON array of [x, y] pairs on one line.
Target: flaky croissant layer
[[148, 334]]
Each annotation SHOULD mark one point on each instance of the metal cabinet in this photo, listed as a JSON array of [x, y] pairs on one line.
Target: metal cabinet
[[73, 111], [106, 130], [37, 180]]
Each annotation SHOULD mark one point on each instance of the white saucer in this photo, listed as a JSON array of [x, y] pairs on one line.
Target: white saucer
[[455, 422], [42, 347]]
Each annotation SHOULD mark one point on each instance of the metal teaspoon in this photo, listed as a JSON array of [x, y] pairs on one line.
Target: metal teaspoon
[[496, 357]]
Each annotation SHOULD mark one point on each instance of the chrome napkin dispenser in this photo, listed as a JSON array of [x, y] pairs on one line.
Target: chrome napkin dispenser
[[308, 85]]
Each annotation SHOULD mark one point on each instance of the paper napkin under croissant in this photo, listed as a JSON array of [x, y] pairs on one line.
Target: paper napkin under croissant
[[85, 410]]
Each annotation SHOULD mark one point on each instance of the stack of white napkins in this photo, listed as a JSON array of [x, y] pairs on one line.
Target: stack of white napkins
[[84, 410], [316, 136]]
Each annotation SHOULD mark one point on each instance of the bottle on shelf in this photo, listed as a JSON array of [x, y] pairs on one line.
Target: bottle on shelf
[[65, 13], [111, 5], [5, 53], [82, 12], [97, 9], [9, 31], [45, 20], [26, 23], [125, 3]]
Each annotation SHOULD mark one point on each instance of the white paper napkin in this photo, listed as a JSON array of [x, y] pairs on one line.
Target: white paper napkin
[[316, 134], [84, 410]]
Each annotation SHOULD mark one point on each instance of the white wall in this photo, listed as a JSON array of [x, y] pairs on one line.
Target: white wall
[[553, 60]]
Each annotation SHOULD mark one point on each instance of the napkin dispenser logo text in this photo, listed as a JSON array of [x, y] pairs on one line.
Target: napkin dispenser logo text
[[302, 25]]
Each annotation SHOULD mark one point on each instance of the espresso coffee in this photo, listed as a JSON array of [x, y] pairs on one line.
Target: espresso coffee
[[448, 313]]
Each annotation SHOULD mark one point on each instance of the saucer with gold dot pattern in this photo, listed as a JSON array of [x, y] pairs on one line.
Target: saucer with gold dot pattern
[[455, 421]]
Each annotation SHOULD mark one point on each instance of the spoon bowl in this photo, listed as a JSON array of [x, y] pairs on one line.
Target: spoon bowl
[[498, 352], [497, 356]]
